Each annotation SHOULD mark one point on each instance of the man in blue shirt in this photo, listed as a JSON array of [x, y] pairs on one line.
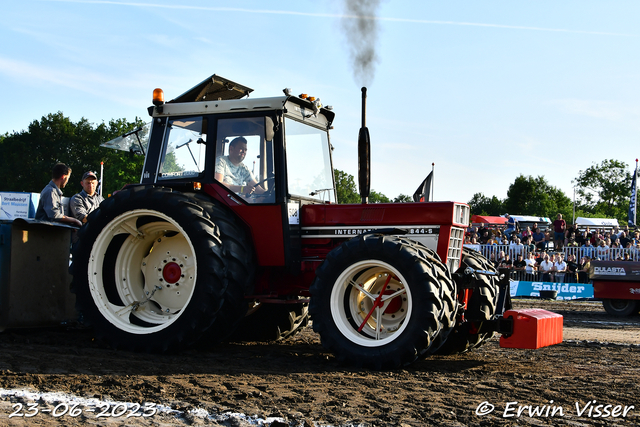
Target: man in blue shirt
[[511, 225], [50, 205]]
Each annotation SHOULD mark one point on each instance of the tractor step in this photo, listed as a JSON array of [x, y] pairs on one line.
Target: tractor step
[[532, 328]]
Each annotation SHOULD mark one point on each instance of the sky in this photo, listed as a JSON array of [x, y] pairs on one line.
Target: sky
[[480, 91]]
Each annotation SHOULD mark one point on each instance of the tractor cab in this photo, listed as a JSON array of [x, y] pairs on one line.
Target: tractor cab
[[262, 158]]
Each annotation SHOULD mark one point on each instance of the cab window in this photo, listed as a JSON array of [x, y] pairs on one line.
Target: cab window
[[184, 148], [309, 169], [244, 159]]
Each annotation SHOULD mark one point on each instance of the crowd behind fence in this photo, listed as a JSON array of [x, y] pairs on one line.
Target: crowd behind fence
[[570, 254], [568, 262]]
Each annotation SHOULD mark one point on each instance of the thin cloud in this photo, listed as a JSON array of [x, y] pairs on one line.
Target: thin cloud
[[605, 110], [79, 80], [340, 16]]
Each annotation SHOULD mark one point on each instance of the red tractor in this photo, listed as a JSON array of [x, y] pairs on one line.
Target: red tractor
[[234, 229]]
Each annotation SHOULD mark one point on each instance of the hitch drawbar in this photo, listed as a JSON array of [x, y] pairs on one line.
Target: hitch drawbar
[[530, 329]]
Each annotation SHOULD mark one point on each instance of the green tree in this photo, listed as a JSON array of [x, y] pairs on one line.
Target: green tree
[[347, 192], [346, 189], [535, 196], [403, 198], [483, 205], [28, 156], [375, 197], [604, 190]]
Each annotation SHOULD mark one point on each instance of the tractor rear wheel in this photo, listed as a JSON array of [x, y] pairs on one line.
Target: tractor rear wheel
[[237, 253], [377, 301], [481, 306], [272, 322], [148, 271], [621, 307]]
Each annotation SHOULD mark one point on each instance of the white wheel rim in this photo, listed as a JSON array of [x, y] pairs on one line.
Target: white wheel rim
[[155, 272], [353, 305]]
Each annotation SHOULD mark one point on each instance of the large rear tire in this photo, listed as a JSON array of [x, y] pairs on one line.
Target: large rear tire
[[621, 307], [148, 270], [481, 306], [237, 253], [377, 301]]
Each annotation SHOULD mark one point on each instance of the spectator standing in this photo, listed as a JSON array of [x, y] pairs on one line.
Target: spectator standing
[[602, 251], [530, 264], [559, 229], [506, 262], [519, 264], [548, 238], [546, 267], [583, 272], [50, 206], [571, 233], [511, 226], [493, 260], [572, 269], [559, 267], [538, 239], [86, 201], [624, 239], [615, 232]]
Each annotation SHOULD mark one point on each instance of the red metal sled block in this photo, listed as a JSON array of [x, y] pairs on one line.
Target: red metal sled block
[[533, 328]]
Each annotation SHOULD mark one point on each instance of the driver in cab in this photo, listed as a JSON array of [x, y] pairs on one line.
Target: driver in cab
[[233, 173]]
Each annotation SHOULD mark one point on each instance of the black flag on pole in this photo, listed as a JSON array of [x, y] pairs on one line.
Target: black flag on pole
[[422, 193], [634, 198]]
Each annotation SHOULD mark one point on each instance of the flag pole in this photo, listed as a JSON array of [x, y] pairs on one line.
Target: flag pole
[[635, 196], [101, 177], [432, 167]]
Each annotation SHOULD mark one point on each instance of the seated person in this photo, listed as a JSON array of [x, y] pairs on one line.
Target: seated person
[[233, 173]]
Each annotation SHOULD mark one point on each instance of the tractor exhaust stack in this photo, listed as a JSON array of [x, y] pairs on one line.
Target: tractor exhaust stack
[[364, 153]]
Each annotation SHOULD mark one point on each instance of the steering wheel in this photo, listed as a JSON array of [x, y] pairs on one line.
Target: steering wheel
[[268, 194], [271, 178]]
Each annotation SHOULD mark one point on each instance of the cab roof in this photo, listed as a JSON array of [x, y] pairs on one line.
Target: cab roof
[[214, 88]]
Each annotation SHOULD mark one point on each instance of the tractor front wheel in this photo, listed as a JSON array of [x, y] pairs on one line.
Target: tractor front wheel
[[377, 301]]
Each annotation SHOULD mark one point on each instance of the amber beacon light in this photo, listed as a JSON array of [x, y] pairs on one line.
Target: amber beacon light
[[158, 97]]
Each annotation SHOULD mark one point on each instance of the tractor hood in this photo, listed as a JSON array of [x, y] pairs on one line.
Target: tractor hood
[[214, 88]]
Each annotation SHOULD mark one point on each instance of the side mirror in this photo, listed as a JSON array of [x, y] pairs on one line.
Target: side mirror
[[269, 128]]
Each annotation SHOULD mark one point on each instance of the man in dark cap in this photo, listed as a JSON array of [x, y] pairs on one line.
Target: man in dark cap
[[86, 201]]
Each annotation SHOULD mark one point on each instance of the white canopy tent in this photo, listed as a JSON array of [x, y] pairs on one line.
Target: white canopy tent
[[596, 222]]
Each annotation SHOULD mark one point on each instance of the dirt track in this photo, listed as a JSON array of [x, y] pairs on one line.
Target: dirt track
[[296, 382]]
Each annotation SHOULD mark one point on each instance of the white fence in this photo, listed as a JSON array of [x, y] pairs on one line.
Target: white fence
[[609, 254], [491, 252]]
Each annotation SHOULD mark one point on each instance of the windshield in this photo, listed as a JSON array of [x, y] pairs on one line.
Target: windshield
[[308, 162], [184, 148], [135, 141]]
